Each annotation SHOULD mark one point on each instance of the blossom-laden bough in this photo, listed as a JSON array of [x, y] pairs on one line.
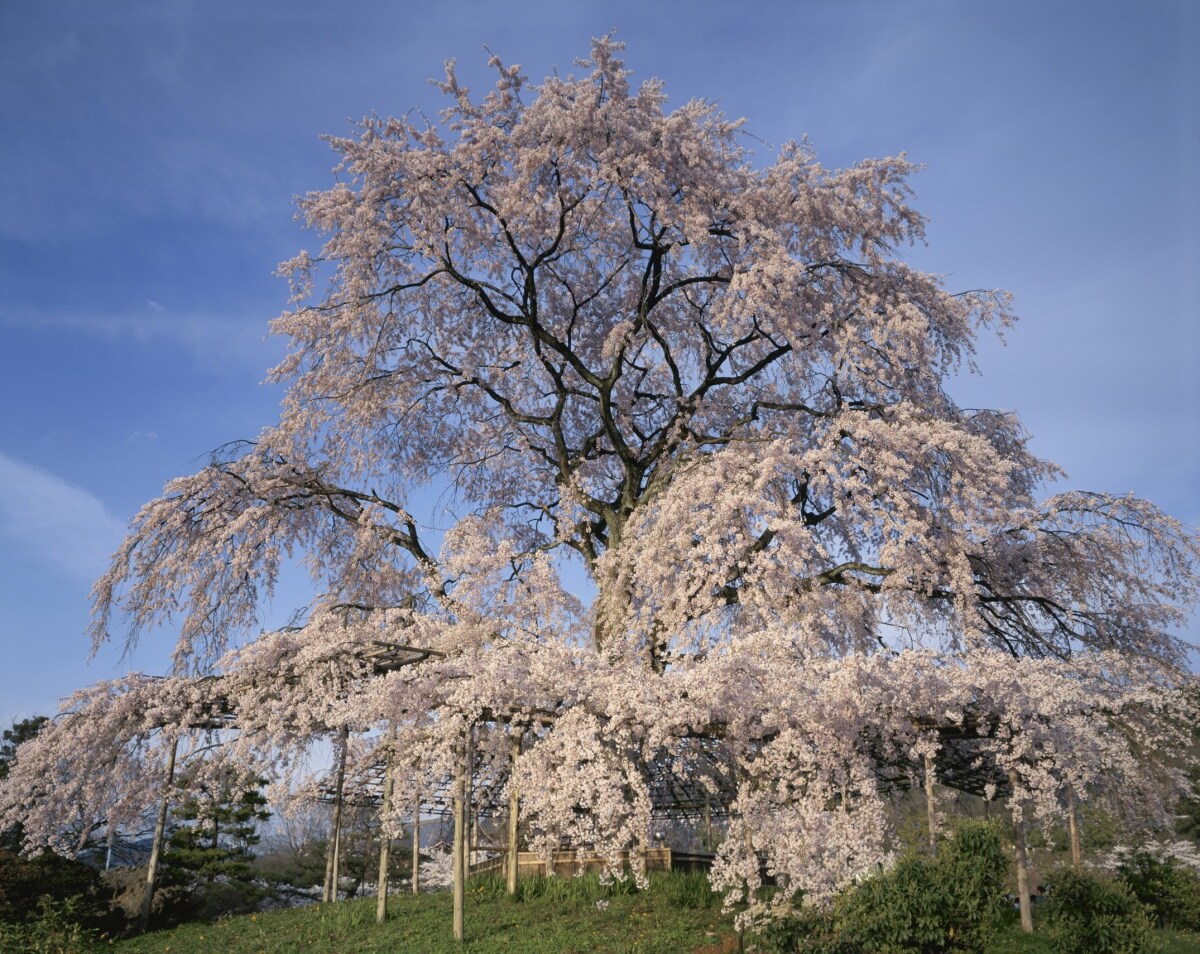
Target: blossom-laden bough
[[613, 342]]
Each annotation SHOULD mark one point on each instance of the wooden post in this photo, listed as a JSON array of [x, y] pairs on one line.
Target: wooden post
[[333, 861], [160, 827], [460, 836], [469, 804], [707, 822], [513, 817], [1073, 825], [1022, 862], [416, 849], [385, 840], [930, 804]]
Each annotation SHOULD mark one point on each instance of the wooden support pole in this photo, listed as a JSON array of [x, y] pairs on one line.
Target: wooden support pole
[[930, 804], [385, 840], [707, 821], [1073, 826], [160, 827], [333, 861], [460, 835], [469, 801], [1022, 862], [514, 804], [416, 849]]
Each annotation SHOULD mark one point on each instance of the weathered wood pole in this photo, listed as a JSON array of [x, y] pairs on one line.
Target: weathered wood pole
[[514, 803], [1022, 861], [385, 840], [1073, 826], [707, 821], [461, 789], [416, 849], [930, 804], [160, 827], [333, 861], [469, 838]]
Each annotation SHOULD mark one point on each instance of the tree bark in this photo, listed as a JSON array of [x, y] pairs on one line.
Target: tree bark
[[160, 827]]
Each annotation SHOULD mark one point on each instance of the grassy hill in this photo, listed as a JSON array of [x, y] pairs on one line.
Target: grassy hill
[[677, 915]]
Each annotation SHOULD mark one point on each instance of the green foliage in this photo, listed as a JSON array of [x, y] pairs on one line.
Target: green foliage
[[53, 929], [952, 902], [27, 884], [1090, 914], [209, 852], [1170, 890]]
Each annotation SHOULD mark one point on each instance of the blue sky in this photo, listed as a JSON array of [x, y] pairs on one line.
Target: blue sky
[[150, 152]]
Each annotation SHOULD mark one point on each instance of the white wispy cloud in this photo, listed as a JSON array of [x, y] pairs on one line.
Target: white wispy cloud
[[52, 520], [215, 339]]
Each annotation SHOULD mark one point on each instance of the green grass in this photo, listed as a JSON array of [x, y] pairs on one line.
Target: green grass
[[678, 914], [554, 915], [1015, 941]]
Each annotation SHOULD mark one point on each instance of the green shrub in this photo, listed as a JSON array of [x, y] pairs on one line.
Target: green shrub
[[26, 882], [1090, 914], [952, 902], [1170, 890], [53, 929]]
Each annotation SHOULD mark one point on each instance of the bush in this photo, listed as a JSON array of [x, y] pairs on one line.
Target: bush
[[953, 902], [25, 883], [53, 929], [1091, 914], [1170, 890]]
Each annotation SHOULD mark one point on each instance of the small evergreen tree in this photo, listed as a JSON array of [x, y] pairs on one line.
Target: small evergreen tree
[[211, 846]]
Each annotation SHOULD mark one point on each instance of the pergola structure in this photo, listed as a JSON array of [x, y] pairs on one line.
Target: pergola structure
[[694, 783]]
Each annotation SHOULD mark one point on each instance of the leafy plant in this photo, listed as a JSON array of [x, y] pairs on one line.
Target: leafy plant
[[952, 902], [54, 929], [1091, 914], [1170, 890]]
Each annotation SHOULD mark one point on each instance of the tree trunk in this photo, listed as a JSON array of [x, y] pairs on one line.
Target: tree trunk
[[160, 826]]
